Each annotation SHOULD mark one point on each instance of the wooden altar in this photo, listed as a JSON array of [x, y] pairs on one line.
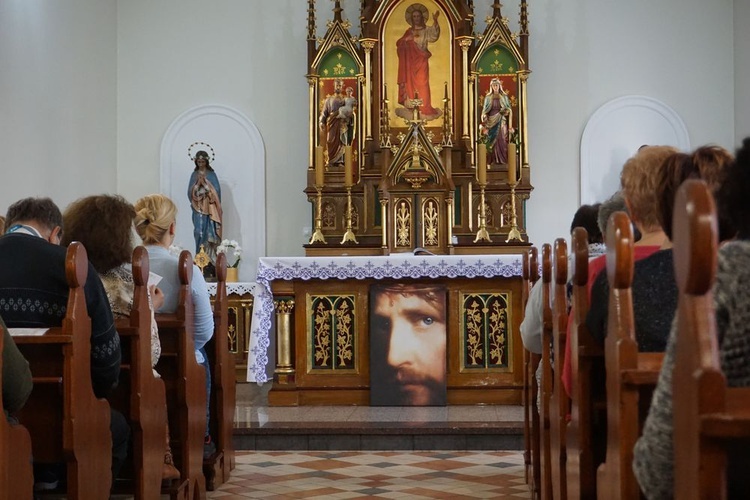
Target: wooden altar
[[322, 331], [411, 145], [418, 140]]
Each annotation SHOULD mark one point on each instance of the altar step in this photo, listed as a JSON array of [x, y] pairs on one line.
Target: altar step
[[383, 428], [396, 436]]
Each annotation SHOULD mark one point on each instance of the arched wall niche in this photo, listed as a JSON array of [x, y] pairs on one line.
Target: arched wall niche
[[240, 166]]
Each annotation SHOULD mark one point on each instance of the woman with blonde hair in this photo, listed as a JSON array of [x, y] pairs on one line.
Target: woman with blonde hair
[[155, 223]]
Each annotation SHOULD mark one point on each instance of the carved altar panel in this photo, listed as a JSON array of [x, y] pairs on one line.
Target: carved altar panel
[[485, 331], [404, 227], [431, 222], [331, 335]]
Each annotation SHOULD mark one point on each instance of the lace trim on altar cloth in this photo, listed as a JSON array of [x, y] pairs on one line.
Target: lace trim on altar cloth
[[260, 326], [237, 288], [486, 266]]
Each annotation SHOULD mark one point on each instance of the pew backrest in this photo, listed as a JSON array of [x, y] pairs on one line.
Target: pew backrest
[[186, 383], [546, 384], [587, 373], [630, 376], [67, 423], [532, 410], [16, 477], [559, 403], [223, 392], [709, 416], [141, 395]]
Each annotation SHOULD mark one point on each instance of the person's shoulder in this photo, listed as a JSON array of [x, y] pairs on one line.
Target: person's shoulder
[[735, 250], [658, 258], [27, 241], [734, 261]]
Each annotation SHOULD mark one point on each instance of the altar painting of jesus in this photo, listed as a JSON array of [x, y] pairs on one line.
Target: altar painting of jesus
[[417, 60]]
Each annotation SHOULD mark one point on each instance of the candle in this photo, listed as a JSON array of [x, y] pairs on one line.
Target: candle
[[320, 167], [348, 170], [481, 164], [512, 178]]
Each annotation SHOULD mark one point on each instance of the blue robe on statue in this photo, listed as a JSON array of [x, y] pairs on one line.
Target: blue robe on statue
[[204, 193]]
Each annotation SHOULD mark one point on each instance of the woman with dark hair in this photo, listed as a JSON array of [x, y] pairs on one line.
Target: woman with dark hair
[[104, 225], [204, 193]]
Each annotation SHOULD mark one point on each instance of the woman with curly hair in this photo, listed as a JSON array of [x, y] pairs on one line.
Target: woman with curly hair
[[104, 225]]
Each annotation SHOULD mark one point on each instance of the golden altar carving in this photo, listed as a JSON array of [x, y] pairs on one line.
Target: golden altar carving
[[415, 176]]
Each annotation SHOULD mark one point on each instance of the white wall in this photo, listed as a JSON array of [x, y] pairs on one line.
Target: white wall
[[58, 89], [587, 52], [60, 122], [741, 70], [174, 55]]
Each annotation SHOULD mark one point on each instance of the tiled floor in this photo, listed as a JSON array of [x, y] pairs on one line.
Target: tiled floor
[[371, 474], [408, 475]]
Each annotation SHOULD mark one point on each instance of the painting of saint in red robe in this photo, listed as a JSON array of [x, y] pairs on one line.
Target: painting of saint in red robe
[[414, 62]]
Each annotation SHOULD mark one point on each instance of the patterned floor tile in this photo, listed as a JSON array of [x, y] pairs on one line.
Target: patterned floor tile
[[353, 475]]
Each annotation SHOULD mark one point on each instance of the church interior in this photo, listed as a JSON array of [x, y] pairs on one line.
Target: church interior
[[370, 154]]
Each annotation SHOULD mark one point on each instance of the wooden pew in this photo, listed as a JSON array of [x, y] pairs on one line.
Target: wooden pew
[[559, 403], [527, 393], [16, 475], [631, 376], [534, 360], [587, 426], [709, 415], [185, 381], [218, 467], [140, 394], [67, 423], [546, 388]]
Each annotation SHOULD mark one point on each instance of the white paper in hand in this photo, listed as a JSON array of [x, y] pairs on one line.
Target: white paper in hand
[[153, 279]]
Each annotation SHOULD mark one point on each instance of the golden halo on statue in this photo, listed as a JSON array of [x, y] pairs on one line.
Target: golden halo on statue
[[201, 146], [419, 7]]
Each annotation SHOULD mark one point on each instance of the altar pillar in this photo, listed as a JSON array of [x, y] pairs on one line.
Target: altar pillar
[[284, 373], [465, 43]]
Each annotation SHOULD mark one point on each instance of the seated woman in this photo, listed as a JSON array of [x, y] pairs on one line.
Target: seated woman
[[155, 223], [104, 225], [653, 459], [642, 183], [654, 287]]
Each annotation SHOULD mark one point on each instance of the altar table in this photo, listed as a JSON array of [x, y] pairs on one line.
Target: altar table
[[478, 286]]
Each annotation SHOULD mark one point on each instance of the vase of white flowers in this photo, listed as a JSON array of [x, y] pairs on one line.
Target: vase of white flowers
[[233, 252]]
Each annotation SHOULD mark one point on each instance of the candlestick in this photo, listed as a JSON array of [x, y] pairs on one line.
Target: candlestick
[[482, 233], [348, 168], [317, 236], [512, 177], [319, 167], [481, 164], [349, 234]]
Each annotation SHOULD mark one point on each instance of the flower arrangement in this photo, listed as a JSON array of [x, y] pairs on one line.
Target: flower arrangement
[[175, 250], [225, 246]]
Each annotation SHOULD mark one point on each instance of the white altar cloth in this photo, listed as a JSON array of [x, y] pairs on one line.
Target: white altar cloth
[[395, 266]]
